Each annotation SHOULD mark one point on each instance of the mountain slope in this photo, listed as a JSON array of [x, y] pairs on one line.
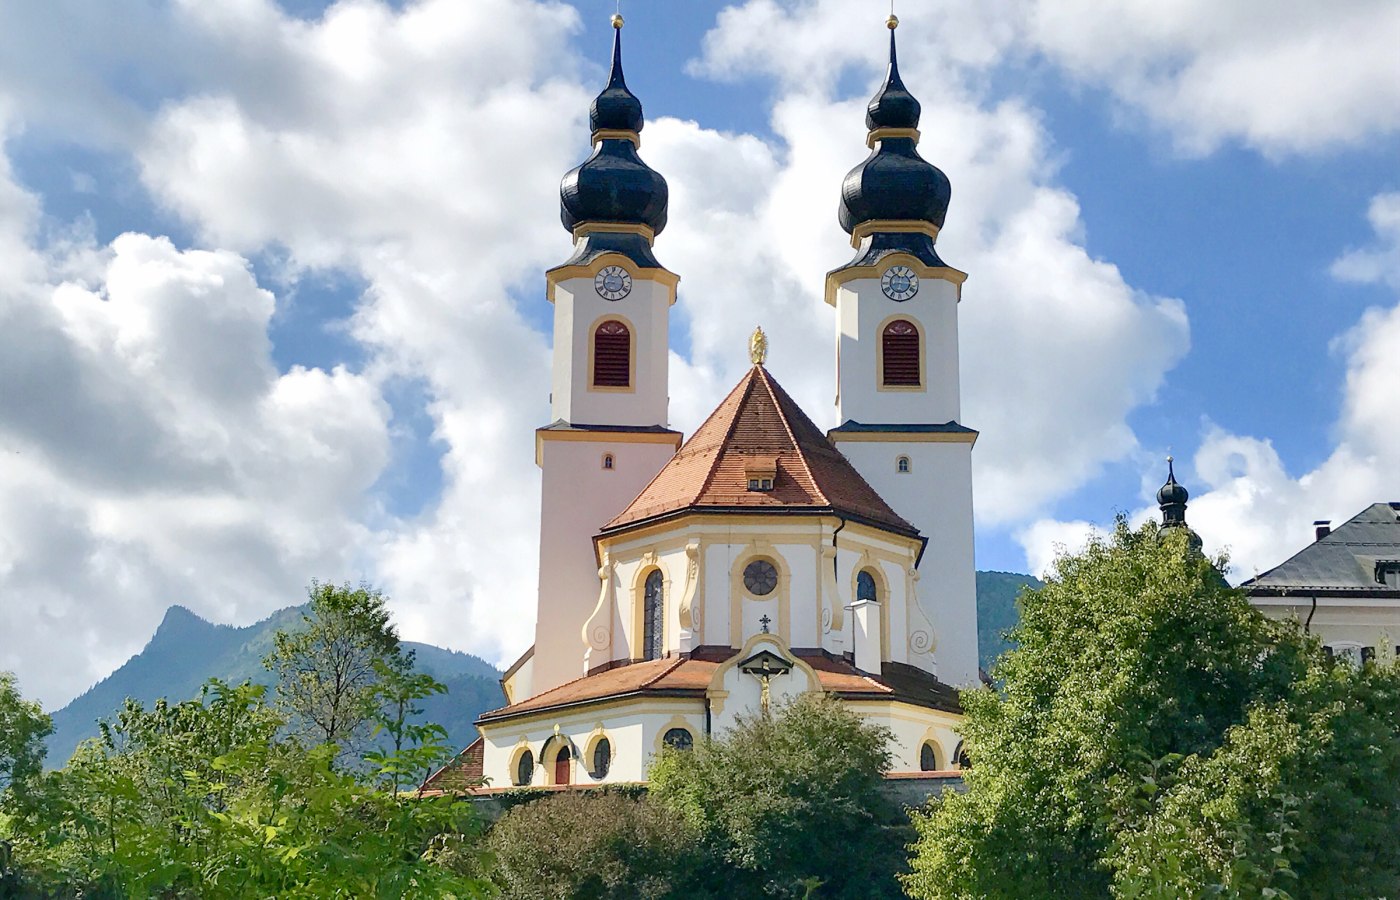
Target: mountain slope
[[996, 612], [186, 651]]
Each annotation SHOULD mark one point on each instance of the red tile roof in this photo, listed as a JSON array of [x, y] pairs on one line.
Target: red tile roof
[[462, 774], [681, 676], [759, 426]]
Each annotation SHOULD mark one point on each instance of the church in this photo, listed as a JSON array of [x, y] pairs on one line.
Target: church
[[685, 583]]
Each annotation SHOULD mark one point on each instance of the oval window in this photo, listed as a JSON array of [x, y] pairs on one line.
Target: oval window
[[602, 758], [525, 768]]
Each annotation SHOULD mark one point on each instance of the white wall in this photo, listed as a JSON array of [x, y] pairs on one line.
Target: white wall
[[634, 731], [577, 307], [578, 496], [936, 497], [861, 310]]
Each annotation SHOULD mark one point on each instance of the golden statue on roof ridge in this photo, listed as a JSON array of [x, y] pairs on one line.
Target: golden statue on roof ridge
[[758, 346]]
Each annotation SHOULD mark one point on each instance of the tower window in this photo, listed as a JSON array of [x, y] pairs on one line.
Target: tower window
[[612, 355], [865, 587], [653, 622], [901, 465], [899, 346], [607, 461]]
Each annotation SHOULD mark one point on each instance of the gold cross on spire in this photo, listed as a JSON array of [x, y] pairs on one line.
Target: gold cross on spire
[[758, 346]]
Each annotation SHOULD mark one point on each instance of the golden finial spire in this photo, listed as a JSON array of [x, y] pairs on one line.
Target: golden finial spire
[[758, 346], [617, 20], [892, 22]]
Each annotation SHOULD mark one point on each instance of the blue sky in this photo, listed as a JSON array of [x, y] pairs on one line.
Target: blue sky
[[271, 277]]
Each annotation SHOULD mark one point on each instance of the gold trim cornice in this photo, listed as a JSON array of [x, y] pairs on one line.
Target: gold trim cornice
[[906, 437], [611, 258], [896, 226], [924, 271], [584, 228], [879, 134], [617, 134], [604, 437]]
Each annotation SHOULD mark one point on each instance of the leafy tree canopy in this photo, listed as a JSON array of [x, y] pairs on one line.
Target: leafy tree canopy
[[791, 805], [23, 727], [329, 671], [1152, 735], [595, 845]]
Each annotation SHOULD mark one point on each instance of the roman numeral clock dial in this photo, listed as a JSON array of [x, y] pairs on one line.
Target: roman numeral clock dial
[[612, 283], [899, 283]]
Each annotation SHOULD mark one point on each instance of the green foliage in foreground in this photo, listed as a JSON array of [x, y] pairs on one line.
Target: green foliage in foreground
[[202, 799], [595, 845], [1154, 736], [791, 804], [229, 796], [23, 727]]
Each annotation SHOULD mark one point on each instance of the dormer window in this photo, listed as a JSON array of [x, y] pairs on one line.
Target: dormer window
[[1388, 573], [761, 472]]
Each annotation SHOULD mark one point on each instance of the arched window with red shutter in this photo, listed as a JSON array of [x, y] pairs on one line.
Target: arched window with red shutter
[[612, 355], [901, 355]]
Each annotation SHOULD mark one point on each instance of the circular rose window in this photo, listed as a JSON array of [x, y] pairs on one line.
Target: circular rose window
[[760, 577]]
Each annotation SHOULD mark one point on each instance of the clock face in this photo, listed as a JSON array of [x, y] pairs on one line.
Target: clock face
[[899, 283], [613, 283], [760, 577]]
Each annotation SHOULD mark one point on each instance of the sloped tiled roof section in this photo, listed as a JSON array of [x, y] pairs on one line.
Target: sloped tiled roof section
[[679, 676], [1344, 561], [759, 426], [462, 774]]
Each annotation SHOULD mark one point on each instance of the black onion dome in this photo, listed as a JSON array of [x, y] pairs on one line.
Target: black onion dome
[[613, 185], [894, 182], [616, 108], [892, 106], [1172, 493]]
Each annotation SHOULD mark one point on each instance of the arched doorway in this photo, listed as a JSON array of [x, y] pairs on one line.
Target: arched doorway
[[561, 765]]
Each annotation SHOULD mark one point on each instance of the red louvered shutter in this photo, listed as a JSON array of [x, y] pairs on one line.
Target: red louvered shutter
[[612, 355], [901, 354]]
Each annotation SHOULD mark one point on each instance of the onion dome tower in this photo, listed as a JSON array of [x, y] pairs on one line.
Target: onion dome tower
[[1171, 499], [613, 201], [898, 394], [608, 433], [895, 200]]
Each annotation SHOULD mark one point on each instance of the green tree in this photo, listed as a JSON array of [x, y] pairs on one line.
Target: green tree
[[415, 748], [204, 799], [1153, 735], [791, 805], [329, 671], [595, 845], [23, 727]]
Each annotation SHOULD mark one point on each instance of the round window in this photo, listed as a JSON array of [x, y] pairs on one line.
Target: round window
[[678, 738], [760, 577], [525, 769]]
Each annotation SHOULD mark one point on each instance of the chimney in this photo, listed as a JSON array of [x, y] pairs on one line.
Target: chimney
[[866, 617], [1324, 528]]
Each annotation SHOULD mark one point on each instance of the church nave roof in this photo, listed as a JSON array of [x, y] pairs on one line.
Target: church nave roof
[[759, 424]]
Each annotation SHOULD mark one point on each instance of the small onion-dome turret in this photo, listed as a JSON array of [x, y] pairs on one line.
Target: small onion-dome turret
[[613, 188], [894, 183], [1171, 499]]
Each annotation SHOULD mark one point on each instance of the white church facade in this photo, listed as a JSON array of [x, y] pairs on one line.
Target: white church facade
[[686, 583]]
